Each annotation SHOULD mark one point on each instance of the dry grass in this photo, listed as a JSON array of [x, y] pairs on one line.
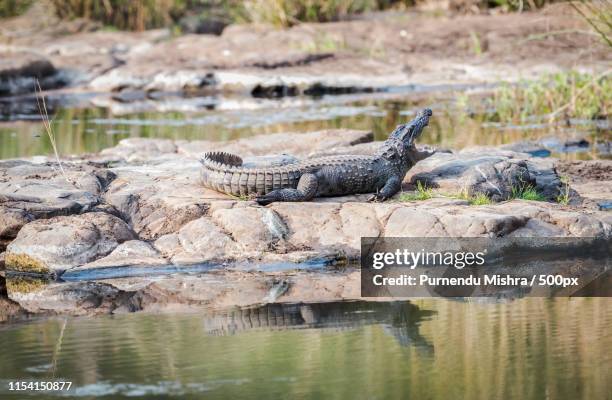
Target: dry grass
[[44, 115], [598, 14]]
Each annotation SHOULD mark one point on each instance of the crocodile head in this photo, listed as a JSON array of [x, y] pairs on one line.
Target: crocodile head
[[409, 132], [400, 145]]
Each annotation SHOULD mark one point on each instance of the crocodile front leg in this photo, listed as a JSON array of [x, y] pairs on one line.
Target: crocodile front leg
[[392, 186], [306, 190]]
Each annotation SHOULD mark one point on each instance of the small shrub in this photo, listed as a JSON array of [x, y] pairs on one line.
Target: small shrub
[[422, 193], [479, 199], [526, 192], [564, 197], [11, 8]]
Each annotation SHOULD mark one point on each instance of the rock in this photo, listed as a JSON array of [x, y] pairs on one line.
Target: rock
[[42, 191], [329, 227], [30, 191], [140, 150], [149, 210], [495, 175], [19, 72], [130, 253], [135, 150], [269, 161], [263, 145], [532, 148], [158, 201], [51, 246], [590, 182], [255, 229], [305, 58], [11, 221], [201, 240], [201, 25]]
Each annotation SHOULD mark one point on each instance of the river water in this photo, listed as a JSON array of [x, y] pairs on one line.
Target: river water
[[531, 348], [85, 130]]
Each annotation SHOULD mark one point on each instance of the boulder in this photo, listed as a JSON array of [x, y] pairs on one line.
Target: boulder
[[53, 245], [130, 253], [202, 25], [496, 174], [11, 221], [19, 72], [202, 241]]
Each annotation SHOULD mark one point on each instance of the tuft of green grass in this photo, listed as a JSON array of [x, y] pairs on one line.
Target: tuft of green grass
[[526, 192], [241, 197], [476, 44], [479, 199], [422, 193], [566, 94], [564, 197], [322, 42]]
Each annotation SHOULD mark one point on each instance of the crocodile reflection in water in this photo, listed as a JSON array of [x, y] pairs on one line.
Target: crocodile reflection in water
[[401, 319]]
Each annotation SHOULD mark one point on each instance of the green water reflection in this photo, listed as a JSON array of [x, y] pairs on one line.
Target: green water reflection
[[81, 131], [430, 349]]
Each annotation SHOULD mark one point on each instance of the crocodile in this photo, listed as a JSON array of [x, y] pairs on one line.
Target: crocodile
[[337, 175]]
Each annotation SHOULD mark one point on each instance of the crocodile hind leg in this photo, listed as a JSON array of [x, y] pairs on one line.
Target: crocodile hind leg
[[306, 190]]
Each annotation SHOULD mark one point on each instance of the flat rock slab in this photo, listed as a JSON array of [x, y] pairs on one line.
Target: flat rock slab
[[30, 191]]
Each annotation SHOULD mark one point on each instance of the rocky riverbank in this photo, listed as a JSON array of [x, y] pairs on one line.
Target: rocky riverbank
[[134, 210]]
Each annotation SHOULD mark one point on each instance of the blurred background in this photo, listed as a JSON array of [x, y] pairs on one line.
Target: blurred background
[[495, 72]]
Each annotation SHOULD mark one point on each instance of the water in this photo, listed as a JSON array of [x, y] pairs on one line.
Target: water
[[429, 349], [87, 130]]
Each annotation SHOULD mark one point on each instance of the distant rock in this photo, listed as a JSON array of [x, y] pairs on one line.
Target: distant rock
[[202, 25], [19, 72]]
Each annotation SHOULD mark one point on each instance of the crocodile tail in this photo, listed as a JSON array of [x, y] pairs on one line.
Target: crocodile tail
[[219, 160], [224, 172]]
